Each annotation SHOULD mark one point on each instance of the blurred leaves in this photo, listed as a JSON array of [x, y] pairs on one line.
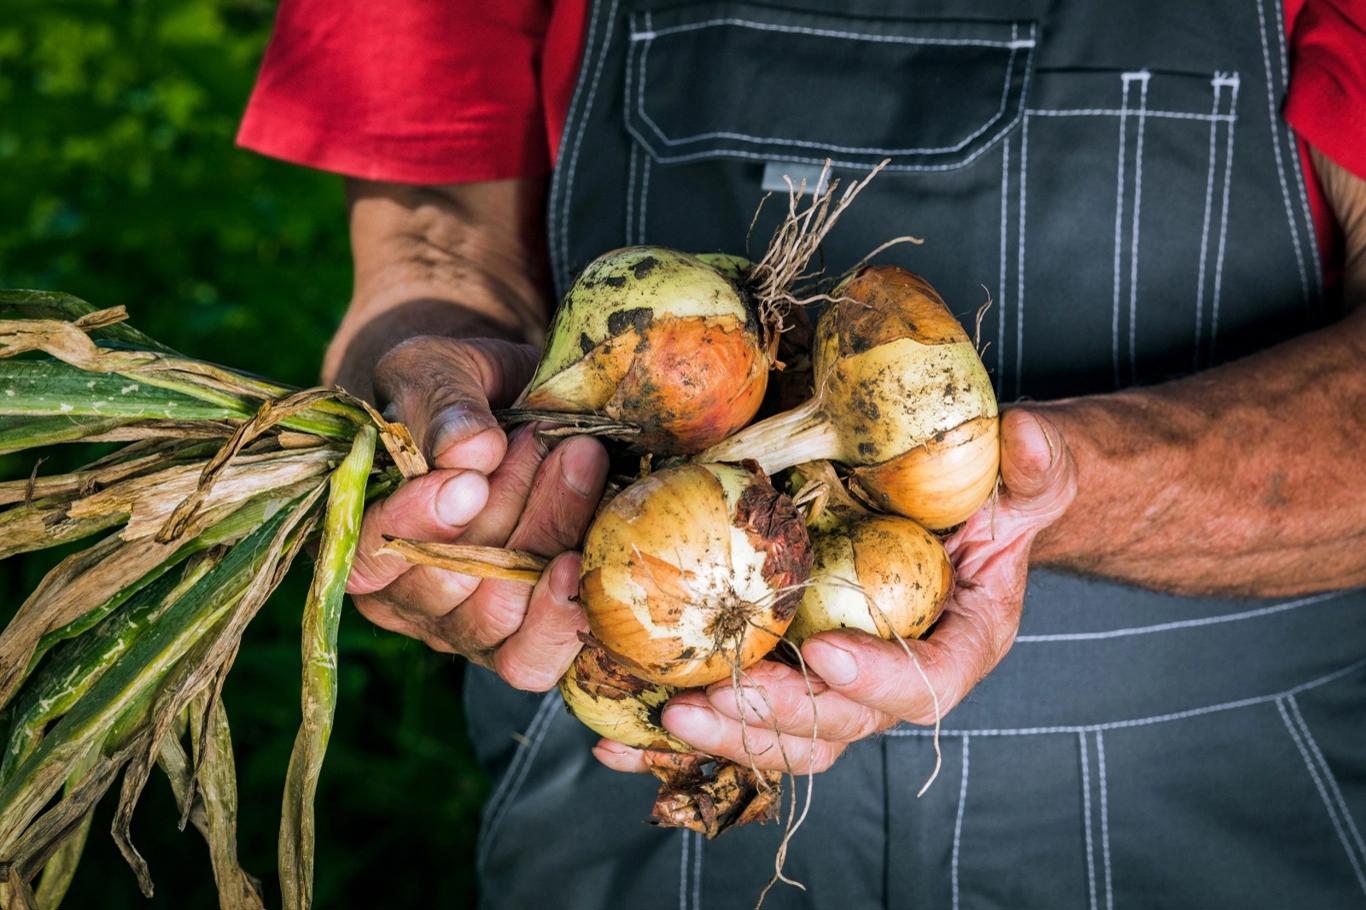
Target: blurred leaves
[[120, 183]]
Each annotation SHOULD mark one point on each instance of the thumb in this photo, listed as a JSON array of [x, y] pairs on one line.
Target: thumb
[[444, 390], [1037, 468]]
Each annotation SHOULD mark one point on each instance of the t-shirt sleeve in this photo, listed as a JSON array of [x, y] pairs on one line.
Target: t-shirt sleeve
[[1326, 101], [419, 91]]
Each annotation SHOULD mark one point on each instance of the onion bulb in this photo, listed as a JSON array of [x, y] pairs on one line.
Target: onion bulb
[[880, 574], [901, 396], [612, 702], [662, 343], [693, 572]]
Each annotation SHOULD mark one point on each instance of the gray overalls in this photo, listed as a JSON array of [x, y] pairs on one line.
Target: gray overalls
[[1116, 173]]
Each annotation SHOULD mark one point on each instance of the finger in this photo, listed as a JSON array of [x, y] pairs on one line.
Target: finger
[[968, 642], [620, 757], [559, 509], [444, 390], [383, 615], [1039, 483], [434, 507], [691, 718], [564, 497], [509, 487], [777, 697], [540, 651]]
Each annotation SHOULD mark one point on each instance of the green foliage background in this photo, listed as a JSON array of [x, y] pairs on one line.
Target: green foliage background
[[119, 182]]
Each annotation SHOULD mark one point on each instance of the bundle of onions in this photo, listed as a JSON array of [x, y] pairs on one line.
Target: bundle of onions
[[901, 396], [693, 573], [880, 574], [652, 345]]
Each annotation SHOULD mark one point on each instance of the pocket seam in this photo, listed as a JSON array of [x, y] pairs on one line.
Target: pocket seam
[[648, 36], [636, 69]]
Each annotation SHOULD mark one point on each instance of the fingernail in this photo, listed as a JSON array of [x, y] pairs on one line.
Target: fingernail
[[691, 723], [581, 466], [455, 424], [834, 664], [564, 582], [615, 748], [461, 498]]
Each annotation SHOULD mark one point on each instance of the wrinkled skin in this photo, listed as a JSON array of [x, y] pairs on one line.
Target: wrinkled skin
[[864, 685], [486, 488]]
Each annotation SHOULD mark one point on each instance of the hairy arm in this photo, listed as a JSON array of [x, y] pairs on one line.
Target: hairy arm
[[1241, 480]]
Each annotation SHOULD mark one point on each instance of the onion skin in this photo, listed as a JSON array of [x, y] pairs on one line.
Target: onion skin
[[692, 573], [658, 340], [901, 396], [611, 702], [903, 570]]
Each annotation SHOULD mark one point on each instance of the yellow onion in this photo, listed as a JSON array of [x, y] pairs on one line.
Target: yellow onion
[[693, 572], [901, 396], [880, 574], [612, 702], [662, 343]]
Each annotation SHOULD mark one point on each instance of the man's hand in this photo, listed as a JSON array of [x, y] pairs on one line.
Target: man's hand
[[486, 489], [861, 685]]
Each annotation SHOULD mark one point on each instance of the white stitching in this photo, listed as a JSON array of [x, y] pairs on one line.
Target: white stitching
[[1204, 230], [1115, 112], [804, 143], [650, 34], [1276, 147], [1329, 777], [698, 844], [516, 774], [1104, 820], [683, 871], [630, 194], [1086, 813], [644, 199], [1019, 265], [1133, 239], [1323, 794], [958, 822], [1223, 229], [1119, 225], [1001, 314], [557, 189], [1185, 623], [1142, 721], [1296, 169], [801, 159], [608, 26]]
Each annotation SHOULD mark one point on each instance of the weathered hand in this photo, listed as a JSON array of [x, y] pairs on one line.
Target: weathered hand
[[862, 685], [487, 489]]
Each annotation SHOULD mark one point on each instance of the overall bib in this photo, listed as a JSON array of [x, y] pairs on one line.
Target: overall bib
[[1117, 175]]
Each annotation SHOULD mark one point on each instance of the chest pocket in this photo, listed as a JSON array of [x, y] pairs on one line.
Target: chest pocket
[[754, 83]]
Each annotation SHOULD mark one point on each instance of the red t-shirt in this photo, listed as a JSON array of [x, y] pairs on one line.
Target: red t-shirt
[[452, 91]]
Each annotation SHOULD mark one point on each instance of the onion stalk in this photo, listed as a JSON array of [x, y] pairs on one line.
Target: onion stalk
[[901, 396]]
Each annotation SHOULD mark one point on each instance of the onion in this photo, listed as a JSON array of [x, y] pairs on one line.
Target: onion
[[693, 573], [661, 343], [901, 396], [612, 702], [881, 574]]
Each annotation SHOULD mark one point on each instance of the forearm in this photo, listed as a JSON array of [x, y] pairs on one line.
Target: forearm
[[461, 261], [1239, 480]]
